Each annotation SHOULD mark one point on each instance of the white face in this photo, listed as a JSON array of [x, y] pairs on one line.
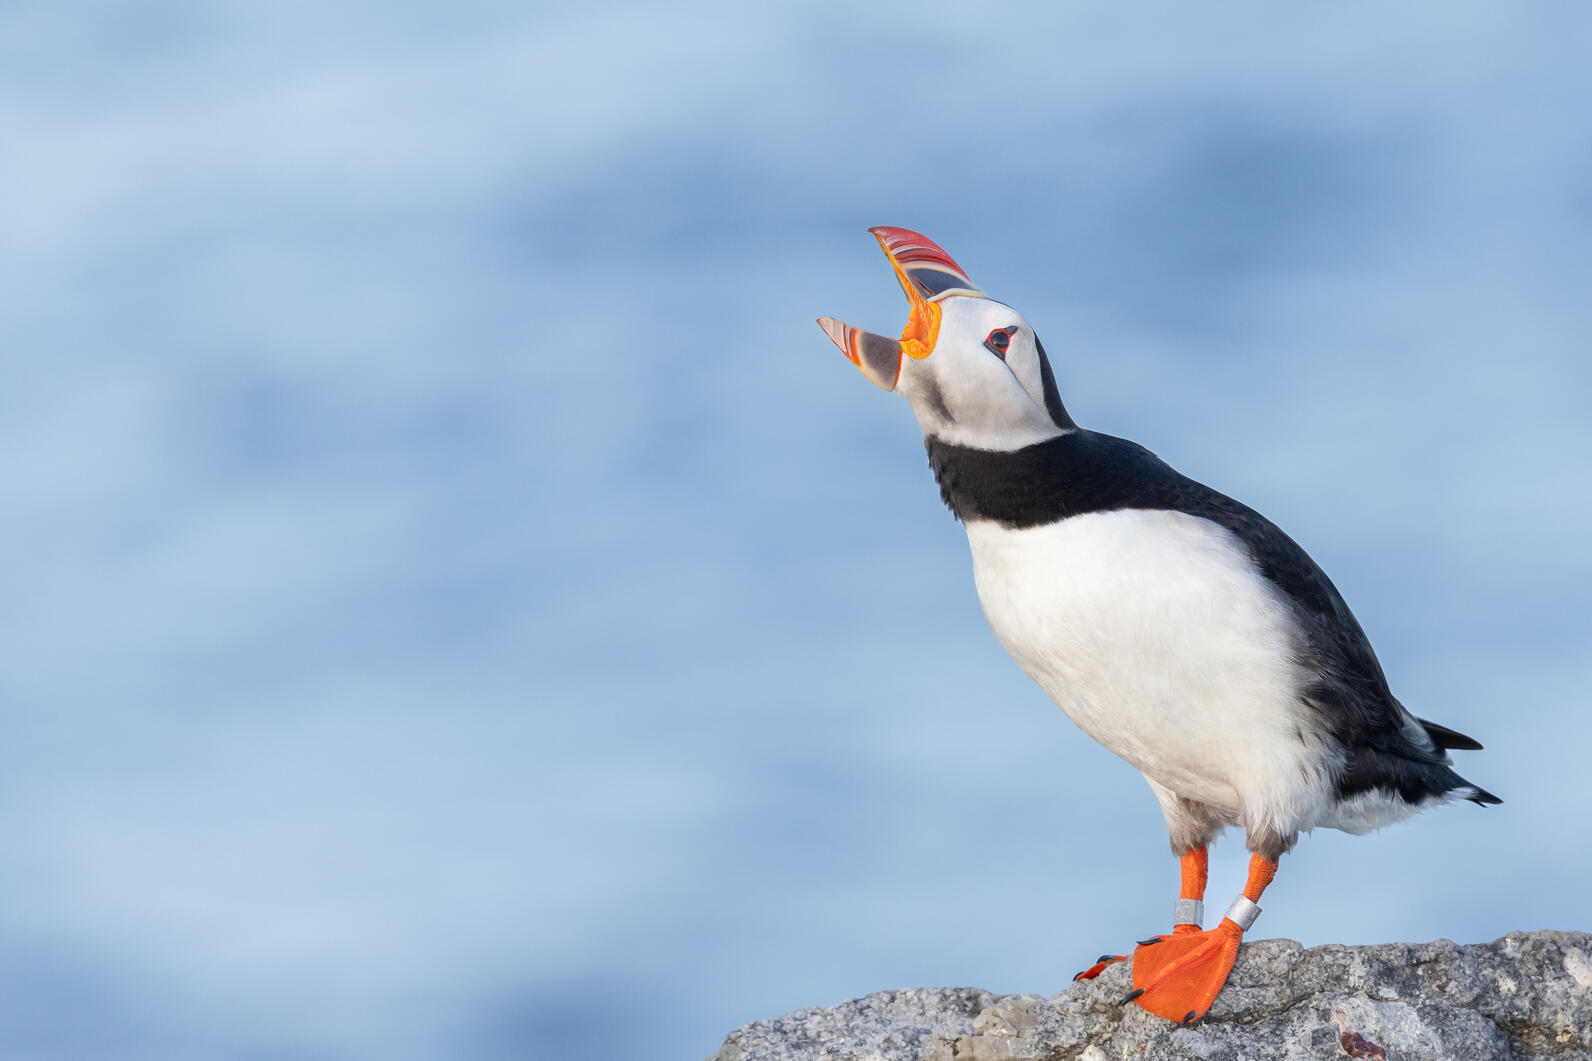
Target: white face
[[965, 393]]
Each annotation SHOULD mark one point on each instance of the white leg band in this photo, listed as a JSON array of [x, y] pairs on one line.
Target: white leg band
[[1189, 912], [1243, 913]]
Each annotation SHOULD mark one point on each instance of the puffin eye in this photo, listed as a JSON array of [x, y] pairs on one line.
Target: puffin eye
[[999, 340]]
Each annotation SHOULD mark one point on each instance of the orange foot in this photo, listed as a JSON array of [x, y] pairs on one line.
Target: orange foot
[[1100, 966], [1111, 959], [1179, 976]]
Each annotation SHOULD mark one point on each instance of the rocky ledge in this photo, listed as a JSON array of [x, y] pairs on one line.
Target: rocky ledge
[[1528, 995]]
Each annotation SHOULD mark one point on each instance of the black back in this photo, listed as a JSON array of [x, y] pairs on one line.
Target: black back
[[1084, 471]]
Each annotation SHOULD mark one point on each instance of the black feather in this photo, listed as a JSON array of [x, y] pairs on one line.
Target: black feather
[[1444, 737], [1047, 383]]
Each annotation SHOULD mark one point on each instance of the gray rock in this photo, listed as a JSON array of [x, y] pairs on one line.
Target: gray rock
[[1528, 995]]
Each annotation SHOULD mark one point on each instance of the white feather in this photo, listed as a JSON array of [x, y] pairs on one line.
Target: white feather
[[1367, 811], [1157, 635]]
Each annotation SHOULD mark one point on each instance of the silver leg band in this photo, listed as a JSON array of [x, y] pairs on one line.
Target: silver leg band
[[1243, 913], [1189, 912]]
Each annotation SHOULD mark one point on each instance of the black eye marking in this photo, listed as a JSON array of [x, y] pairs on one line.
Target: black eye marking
[[999, 340]]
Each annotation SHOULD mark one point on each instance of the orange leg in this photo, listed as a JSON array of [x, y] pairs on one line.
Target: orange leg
[[1179, 976], [1194, 866]]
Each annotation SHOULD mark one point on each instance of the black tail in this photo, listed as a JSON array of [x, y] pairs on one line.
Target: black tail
[[1444, 737], [1481, 797]]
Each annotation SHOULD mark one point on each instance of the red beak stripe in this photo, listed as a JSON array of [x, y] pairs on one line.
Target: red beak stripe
[[933, 272]]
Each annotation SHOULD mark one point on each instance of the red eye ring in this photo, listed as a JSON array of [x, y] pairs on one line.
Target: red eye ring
[[999, 340]]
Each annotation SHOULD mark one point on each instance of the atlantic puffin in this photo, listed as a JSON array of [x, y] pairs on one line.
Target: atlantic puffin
[[1176, 626]]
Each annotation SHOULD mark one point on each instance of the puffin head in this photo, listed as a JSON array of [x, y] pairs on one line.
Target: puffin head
[[972, 368]]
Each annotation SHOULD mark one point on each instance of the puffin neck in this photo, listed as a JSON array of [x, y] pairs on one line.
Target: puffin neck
[[1020, 488]]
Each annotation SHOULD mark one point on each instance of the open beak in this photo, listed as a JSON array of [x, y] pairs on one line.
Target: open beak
[[927, 274]]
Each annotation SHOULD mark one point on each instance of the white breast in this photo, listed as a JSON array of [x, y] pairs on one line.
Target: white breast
[[1156, 634]]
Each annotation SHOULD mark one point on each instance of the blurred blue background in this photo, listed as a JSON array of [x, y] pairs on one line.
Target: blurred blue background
[[458, 605]]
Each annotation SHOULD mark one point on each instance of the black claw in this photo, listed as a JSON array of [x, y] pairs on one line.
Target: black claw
[[1151, 941], [1131, 995], [1105, 958], [1188, 1016]]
